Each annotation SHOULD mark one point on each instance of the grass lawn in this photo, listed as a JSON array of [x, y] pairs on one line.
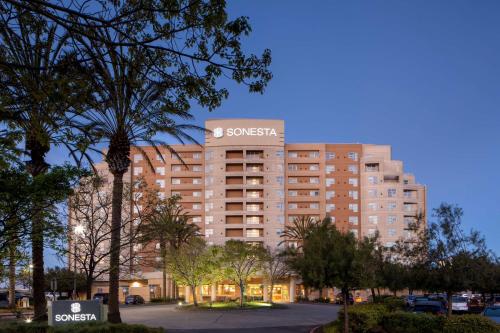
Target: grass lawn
[[232, 306]]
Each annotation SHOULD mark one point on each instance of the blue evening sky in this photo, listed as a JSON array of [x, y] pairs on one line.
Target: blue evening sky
[[422, 76]]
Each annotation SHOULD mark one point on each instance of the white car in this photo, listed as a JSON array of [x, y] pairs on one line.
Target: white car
[[459, 304]]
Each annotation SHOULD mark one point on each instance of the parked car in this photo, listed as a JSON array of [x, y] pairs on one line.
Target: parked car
[[358, 299], [339, 299], [4, 300], [103, 297], [434, 307], [496, 301], [492, 312], [410, 300], [459, 304], [134, 299], [476, 304]]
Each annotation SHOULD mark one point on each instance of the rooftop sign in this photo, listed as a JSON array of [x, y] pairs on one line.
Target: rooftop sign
[[233, 132]]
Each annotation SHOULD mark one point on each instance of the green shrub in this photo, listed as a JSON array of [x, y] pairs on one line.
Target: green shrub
[[470, 324], [322, 300], [394, 303], [364, 318], [14, 327], [407, 322]]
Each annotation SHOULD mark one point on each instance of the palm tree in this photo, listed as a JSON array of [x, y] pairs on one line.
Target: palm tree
[[170, 227], [129, 108], [298, 231], [35, 93]]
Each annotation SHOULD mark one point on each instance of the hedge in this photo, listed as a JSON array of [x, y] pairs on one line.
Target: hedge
[[394, 303], [77, 328], [470, 324], [364, 318], [397, 322]]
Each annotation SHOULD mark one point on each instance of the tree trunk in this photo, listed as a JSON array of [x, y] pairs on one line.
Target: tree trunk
[[242, 292], [345, 292], [449, 295], [373, 294], [271, 299], [320, 293], [12, 277], [193, 291], [38, 268], [88, 287], [378, 291], [114, 271]]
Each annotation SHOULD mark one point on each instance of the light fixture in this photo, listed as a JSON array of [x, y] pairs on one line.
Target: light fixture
[[28, 320]]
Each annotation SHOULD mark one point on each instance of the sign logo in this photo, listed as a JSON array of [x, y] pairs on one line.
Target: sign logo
[[218, 132], [75, 307]]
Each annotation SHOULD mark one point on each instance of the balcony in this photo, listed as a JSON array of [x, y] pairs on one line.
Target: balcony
[[254, 154], [255, 220], [234, 180], [234, 193], [234, 206], [254, 233], [234, 219], [255, 207], [255, 168], [254, 194], [234, 232], [255, 181], [234, 154], [234, 167], [371, 167]]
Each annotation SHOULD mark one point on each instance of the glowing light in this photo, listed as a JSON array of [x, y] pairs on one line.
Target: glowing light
[[79, 229], [179, 304], [28, 320], [136, 284]]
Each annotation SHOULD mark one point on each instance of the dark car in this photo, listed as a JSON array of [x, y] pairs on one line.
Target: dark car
[[134, 299], [492, 312], [476, 305], [103, 297], [410, 300], [434, 307], [340, 299]]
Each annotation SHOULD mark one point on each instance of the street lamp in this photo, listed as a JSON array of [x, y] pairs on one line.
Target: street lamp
[[78, 231]]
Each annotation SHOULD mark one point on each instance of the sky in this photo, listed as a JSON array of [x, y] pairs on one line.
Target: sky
[[422, 76]]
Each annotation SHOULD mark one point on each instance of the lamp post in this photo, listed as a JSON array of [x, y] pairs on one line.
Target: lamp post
[[78, 231]]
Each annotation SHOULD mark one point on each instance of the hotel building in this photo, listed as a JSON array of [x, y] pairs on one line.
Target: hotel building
[[246, 183]]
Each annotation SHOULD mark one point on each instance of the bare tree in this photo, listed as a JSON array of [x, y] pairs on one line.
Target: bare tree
[[274, 268], [89, 235]]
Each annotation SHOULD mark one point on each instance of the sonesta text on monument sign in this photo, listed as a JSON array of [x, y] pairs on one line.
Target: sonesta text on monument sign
[[68, 312]]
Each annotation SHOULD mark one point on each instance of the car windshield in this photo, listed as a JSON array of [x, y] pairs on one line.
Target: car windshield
[[492, 312], [426, 308], [459, 299]]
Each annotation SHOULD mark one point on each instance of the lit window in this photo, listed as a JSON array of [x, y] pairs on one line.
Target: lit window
[[353, 182], [160, 171], [196, 206], [373, 219], [209, 232], [330, 181], [353, 220], [329, 169], [160, 183], [353, 207], [176, 181], [197, 181], [137, 158], [137, 171], [353, 194], [209, 219]]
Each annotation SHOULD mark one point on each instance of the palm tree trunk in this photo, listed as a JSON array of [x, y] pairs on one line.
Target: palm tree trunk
[[114, 272], [12, 277], [271, 299], [38, 268]]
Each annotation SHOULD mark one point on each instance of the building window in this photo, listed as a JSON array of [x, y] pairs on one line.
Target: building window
[[372, 206], [292, 193], [391, 232], [280, 193], [330, 207], [176, 181], [197, 168], [160, 157], [209, 168], [330, 194], [372, 193], [314, 180], [279, 231], [292, 180], [292, 154], [314, 193], [353, 156], [209, 180], [196, 206], [209, 219], [292, 206], [137, 171], [314, 205], [373, 219], [354, 232], [172, 193], [209, 155], [209, 194], [280, 206], [196, 156], [373, 180], [391, 205], [160, 171], [137, 158], [253, 233], [330, 155], [313, 154], [391, 219], [313, 167], [196, 219], [280, 153], [329, 169], [293, 167], [253, 207], [209, 206], [353, 169], [353, 207], [353, 182], [281, 219], [209, 232], [279, 180], [353, 194], [160, 183], [197, 181], [353, 220], [161, 195], [330, 181], [176, 168], [197, 194], [372, 232], [391, 193]]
